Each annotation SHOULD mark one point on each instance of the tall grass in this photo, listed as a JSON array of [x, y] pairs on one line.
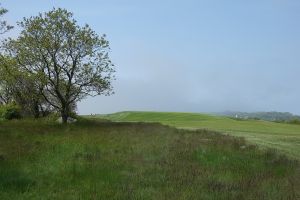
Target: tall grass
[[284, 137], [105, 160]]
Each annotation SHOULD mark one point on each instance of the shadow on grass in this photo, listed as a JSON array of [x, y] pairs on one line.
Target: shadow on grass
[[13, 178]]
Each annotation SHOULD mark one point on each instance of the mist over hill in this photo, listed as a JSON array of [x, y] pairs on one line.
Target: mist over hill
[[268, 116]]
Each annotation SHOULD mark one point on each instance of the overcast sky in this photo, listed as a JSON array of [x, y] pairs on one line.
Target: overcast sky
[[191, 55]]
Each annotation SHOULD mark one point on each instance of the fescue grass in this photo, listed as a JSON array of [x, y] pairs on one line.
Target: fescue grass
[[281, 136], [117, 160]]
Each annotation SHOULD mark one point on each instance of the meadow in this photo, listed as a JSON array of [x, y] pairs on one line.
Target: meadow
[[99, 159], [280, 136]]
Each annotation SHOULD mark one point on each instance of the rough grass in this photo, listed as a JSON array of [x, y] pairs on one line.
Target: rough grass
[[281, 136], [105, 160]]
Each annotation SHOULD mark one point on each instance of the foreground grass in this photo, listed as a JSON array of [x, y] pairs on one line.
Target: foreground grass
[[105, 160], [284, 137]]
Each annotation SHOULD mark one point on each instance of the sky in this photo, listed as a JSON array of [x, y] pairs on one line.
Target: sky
[[190, 55]]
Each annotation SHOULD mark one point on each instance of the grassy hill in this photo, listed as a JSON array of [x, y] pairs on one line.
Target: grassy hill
[[119, 160], [284, 137]]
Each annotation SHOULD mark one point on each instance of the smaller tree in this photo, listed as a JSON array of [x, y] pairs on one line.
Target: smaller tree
[[5, 82], [21, 88], [5, 92]]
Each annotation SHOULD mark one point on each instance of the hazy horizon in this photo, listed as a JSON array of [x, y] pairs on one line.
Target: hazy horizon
[[191, 56]]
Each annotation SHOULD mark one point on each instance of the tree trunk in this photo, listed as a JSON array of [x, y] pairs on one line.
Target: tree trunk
[[65, 114], [64, 117], [36, 111]]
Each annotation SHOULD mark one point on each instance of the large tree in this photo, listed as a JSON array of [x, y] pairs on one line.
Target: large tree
[[68, 61]]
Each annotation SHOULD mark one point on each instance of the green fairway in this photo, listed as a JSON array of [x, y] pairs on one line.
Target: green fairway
[[284, 137], [119, 160]]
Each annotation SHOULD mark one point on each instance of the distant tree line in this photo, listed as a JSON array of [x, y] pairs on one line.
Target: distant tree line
[[281, 117], [51, 65]]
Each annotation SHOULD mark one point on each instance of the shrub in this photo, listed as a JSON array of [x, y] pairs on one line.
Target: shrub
[[10, 111], [52, 117], [295, 121], [73, 114]]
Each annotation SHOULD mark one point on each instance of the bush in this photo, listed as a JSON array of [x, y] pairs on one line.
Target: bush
[[295, 121], [52, 117], [10, 111], [73, 115]]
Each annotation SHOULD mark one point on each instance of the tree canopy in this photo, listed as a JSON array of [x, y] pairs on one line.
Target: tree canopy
[[68, 62], [4, 27]]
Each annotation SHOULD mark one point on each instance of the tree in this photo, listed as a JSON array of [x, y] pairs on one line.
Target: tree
[[4, 90], [4, 27], [22, 88], [70, 62], [5, 82]]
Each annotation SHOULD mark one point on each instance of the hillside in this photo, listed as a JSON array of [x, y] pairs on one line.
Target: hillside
[[113, 160], [284, 137]]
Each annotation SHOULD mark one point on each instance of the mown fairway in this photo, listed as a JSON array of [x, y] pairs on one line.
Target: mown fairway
[[284, 137], [105, 160]]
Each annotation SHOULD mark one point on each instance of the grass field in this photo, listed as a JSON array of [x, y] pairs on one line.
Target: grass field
[[95, 159], [284, 137]]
